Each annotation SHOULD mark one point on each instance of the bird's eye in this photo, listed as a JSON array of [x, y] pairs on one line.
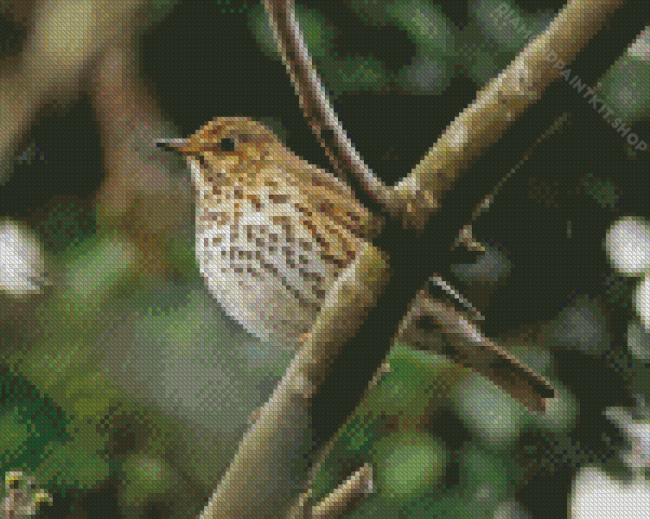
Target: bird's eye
[[227, 144]]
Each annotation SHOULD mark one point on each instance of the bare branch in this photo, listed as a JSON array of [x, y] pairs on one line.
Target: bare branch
[[314, 102], [497, 106], [344, 499], [269, 468]]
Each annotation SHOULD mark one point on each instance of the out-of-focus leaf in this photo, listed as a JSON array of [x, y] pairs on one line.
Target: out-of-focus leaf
[[22, 260], [500, 22], [145, 478], [487, 477], [595, 495], [14, 436], [424, 75], [65, 224], [426, 25], [312, 25], [409, 466], [491, 414], [581, 326], [352, 74], [626, 88], [628, 245], [375, 11], [72, 466], [638, 341], [413, 385], [416, 380], [604, 192], [562, 412]]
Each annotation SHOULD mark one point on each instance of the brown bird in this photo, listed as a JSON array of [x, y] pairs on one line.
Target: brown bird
[[273, 232]]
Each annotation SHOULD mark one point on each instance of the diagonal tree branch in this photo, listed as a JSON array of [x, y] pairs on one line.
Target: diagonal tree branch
[[259, 482], [497, 106], [271, 464], [480, 125]]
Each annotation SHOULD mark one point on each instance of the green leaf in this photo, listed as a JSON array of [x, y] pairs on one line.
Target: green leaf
[[415, 384], [145, 478], [72, 466], [562, 411], [416, 380], [409, 466], [426, 25], [491, 414], [313, 26], [486, 477], [505, 27], [375, 11], [15, 435], [625, 88]]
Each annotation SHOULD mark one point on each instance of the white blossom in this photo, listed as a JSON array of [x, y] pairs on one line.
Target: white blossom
[[22, 262], [628, 246]]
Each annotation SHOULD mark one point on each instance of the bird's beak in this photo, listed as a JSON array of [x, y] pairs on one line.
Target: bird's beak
[[184, 146]]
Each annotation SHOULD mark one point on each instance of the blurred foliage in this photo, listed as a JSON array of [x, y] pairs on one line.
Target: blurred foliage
[[626, 87], [394, 415], [350, 73], [63, 418], [64, 225]]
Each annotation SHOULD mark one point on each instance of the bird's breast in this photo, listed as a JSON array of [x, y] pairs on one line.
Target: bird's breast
[[269, 250]]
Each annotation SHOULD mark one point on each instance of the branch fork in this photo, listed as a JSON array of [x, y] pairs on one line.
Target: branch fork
[[413, 200]]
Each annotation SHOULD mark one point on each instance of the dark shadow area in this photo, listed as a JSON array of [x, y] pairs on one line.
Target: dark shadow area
[[541, 495], [64, 159]]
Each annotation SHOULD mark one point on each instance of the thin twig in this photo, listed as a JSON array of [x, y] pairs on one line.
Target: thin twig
[[349, 495], [466, 236], [314, 102]]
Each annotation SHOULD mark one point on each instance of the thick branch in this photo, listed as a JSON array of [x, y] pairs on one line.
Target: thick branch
[[269, 467], [497, 106]]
